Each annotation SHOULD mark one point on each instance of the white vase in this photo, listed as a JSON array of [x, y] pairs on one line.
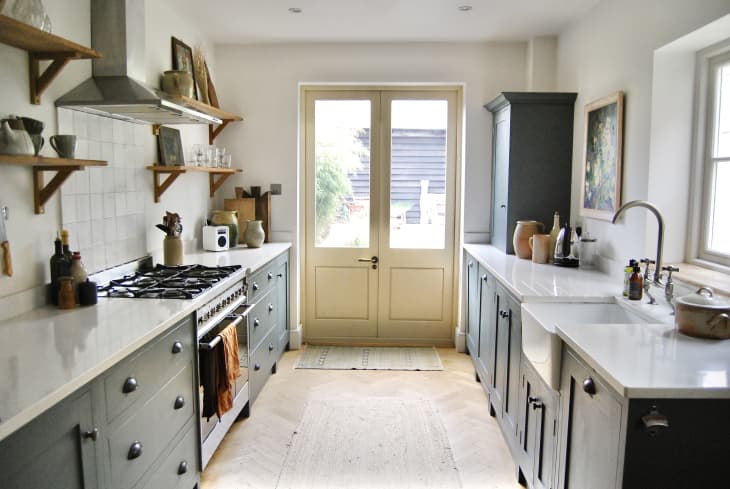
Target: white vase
[[15, 141], [254, 234]]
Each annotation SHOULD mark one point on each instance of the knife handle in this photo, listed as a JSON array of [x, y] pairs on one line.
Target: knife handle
[[7, 261]]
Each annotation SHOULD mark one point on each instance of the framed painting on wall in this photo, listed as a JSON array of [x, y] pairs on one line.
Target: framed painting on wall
[[170, 147], [182, 59], [602, 157]]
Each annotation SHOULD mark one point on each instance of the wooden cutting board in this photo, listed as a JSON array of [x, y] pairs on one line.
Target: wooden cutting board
[[246, 209]]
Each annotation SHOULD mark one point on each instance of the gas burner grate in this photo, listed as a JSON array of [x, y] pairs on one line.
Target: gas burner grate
[[166, 282]]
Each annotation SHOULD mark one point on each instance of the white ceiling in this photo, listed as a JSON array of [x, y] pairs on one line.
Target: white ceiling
[[255, 21]]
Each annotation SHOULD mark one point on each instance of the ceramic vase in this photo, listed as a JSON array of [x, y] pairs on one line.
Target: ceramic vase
[[172, 251], [254, 234], [520, 240]]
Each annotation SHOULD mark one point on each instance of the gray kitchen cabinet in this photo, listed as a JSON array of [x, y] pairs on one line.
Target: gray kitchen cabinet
[[532, 139], [507, 356], [471, 276], [487, 319], [537, 429], [609, 441], [282, 292], [57, 449]]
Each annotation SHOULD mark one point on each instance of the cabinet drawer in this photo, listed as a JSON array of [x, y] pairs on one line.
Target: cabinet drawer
[[262, 362], [153, 426], [147, 370], [261, 319], [261, 282], [179, 470]]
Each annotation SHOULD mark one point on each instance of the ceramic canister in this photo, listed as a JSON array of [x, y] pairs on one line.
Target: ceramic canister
[[230, 219], [521, 236], [540, 246]]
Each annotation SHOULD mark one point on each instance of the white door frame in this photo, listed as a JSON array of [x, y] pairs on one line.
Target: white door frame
[[458, 194]]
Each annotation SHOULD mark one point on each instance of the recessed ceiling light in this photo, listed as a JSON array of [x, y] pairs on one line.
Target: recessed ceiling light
[[464, 8], [295, 10]]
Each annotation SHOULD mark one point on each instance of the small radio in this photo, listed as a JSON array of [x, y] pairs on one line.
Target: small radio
[[215, 238]]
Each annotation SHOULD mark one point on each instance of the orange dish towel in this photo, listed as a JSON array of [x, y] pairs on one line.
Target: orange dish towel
[[229, 368]]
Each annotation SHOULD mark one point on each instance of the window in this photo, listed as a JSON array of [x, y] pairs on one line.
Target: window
[[715, 230]]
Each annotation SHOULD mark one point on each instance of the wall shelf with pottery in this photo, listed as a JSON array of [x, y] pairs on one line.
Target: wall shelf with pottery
[[63, 167], [216, 178], [41, 46], [225, 116]]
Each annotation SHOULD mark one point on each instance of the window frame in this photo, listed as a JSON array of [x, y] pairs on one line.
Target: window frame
[[706, 98]]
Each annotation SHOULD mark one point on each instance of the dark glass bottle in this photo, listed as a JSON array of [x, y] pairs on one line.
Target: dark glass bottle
[[66, 248], [59, 268], [636, 285]]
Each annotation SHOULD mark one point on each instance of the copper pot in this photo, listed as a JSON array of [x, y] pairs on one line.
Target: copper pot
[[703, 315]]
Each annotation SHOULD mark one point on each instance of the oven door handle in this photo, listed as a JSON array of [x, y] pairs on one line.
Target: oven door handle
[[217, 339]]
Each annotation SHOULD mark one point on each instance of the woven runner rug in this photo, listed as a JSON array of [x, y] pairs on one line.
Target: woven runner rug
[[369, 444], [369, 358]]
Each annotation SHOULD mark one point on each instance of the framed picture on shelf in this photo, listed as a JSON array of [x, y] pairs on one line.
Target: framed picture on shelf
[[602, 157], [182, 59], [170, 147]]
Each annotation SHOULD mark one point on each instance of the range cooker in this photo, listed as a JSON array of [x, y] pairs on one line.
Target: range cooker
[[228, 306]]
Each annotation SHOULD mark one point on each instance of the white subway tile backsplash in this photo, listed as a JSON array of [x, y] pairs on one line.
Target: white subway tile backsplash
[[120, 131], [96, 179], [120, 179], [120, 200], [96, 206], [110, 230], [68, 208], [99, 255], [120, 156], [110, 208], [83, 231], [83, 212], [82, 181], [82, 149], [65, 121], [80, 126], [94, 149], [97, 232], [93, 128], [107, 130]]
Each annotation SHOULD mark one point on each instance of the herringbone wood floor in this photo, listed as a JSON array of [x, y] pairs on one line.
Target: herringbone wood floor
[[253, 452]]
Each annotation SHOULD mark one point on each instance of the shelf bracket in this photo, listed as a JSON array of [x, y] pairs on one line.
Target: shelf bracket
[[213, 132], [43, 192], [160, 188], [215, 184], [40, 81]]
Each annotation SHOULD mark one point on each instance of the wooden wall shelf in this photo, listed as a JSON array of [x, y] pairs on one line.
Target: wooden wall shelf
[[226, 117], [63, 167], [216, 176], [41, 46]]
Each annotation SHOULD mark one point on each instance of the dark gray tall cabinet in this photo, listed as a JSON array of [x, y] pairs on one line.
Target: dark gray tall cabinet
[[532, 158]]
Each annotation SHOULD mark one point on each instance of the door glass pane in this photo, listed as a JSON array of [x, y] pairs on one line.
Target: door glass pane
[[342, 173], [719, 231], [418, 174]]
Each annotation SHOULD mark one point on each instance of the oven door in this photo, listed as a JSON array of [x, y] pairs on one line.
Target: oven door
[[207, 344]]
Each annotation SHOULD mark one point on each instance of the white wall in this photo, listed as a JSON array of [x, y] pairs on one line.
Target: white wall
[[31, 236], [610, 49], [262, 83]]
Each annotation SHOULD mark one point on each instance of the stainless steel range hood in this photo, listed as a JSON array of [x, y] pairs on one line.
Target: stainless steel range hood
[[118, 32]]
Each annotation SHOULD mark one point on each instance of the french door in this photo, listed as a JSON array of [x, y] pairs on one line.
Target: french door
[[380, 170]]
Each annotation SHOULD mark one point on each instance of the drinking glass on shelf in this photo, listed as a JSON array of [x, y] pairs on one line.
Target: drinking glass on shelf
[[198, 155], [226, 161], [212, 152]]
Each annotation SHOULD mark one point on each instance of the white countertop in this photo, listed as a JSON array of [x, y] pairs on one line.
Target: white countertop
[[637, 360], [47, 354]]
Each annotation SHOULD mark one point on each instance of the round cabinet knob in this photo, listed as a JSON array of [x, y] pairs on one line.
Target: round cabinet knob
[[485, 277], [256, 323], [255, 286], [179, 402], [269, 275], [589, 386], [257, 366], [182, 468], [92, 434], [130, 385], [271, 347], [271, 307], [177, 347], [134, 451], [655, 422]]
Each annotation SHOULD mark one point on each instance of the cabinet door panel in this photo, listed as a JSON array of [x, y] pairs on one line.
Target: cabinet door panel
[[486, 323], [51, 451], [514, 357], [591, 430], [471, 272], [501, 181]]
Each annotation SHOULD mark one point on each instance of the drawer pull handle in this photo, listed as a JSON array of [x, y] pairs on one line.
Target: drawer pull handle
[[271, 307], [589, 386], [182, 468], [130, 385], [177, 347], [504, 314], [92, 434], [134, 451], [179, 402], [271, 347], [269, 275], [536, 402], [279, 275], [255, 286], [257, 366], [256, 323]]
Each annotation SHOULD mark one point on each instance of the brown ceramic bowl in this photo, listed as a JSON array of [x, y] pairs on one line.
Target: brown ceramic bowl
[[702, 315]]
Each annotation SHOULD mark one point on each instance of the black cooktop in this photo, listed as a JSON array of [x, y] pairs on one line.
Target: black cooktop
[[165, 282]]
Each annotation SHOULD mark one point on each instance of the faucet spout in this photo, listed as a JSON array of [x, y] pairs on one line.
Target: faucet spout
[[660, 234]]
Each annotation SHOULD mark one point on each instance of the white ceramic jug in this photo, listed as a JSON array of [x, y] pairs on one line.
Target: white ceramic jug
[[15, 141]]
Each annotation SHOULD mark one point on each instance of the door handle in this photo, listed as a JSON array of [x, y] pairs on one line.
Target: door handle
[[373, 260]]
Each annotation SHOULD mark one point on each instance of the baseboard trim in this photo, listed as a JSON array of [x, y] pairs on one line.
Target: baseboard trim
[[443, 343], [460, 340], [295, 338]]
